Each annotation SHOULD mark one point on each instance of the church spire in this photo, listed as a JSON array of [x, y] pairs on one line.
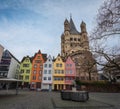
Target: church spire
[[66, 25], [83, 27], [73, 29]]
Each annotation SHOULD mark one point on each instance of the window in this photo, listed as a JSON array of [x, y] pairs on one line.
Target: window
[[78, 39], [37, 61], [21, 78], [49, 78], [57, 65], [5, 74], [45, 65], [66, 78], [74, 39], [70, 65], [27, 60], [45, 78], [55, 71], [67, 72], [67, 65], [34, 77], [60, 65], [22, 71], [71, 39], [58, 59], [35, 65], [27, 71], [18, 66], [39, 77], [25, 65], [1, 74], [27, 77], [40, 71], [58, 71], [34, 71], [55, 78], [45, 71], [41, 66], [62, 71], [70, 71], [49, 71], [50, 65], [38, 57]]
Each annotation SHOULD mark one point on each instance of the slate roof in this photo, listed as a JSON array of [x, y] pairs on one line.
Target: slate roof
[[73, 29], [11, 55]]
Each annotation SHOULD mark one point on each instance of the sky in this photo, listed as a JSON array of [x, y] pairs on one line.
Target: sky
[[27, 26]]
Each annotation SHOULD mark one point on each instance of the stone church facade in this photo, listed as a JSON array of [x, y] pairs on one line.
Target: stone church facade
[[76, 45]]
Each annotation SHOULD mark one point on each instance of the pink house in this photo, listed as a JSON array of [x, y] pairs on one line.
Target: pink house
[[70, 73]]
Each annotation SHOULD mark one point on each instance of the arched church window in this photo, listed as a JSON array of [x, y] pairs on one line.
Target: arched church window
[[74, 39], [71, 39]]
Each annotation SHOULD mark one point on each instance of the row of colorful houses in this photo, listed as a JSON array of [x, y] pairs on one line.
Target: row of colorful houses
[[39, 71], [42, 72]]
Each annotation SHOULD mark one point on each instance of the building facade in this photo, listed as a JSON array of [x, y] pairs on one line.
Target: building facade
[[76, 45], [58, 74], [9, 65], [1, 51], [70, 73], [25, 71], [37, 70], [47, 74]]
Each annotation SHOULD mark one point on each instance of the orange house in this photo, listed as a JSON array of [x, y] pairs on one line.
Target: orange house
[[37, 70]]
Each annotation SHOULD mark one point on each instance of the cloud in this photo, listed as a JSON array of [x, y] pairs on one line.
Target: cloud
[[29, 25]]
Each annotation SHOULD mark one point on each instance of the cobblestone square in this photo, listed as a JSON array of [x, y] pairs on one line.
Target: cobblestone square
[[52, 100]]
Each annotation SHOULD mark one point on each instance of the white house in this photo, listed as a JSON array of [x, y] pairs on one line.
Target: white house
[[47, 74]]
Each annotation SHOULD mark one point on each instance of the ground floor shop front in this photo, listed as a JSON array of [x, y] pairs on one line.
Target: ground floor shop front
[[62, 87]]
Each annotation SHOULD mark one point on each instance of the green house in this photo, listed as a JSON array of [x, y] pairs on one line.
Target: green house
[[25, 71]]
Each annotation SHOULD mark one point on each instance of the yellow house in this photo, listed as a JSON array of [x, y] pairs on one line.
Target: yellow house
[[25, 71], [58, 74]]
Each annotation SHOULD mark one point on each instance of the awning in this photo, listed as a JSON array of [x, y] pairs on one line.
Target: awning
[[9, 80]]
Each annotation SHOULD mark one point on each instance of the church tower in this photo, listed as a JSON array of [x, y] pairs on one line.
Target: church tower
[[76, 45], [72, 40], [84, 37]]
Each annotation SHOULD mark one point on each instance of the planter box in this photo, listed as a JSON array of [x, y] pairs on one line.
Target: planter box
[[75, 96]]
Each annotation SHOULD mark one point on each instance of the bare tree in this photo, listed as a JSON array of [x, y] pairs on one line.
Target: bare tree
[[90, 67], [105, 36]]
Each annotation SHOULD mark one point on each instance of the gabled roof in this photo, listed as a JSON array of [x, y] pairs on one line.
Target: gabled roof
[[60, 57], [27, 57], [73, 29], [43, 55], [11, 55]]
